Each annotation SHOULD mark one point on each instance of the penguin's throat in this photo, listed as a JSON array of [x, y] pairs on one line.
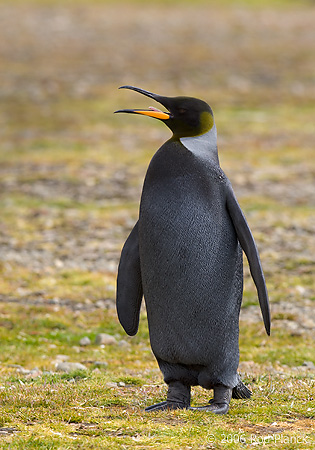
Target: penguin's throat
[[204, 145]]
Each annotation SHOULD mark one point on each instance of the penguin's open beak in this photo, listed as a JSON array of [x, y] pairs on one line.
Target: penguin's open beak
[[151, 111]]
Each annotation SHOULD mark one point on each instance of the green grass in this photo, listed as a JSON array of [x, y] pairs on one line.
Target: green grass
[[80, 404], [78, 409]]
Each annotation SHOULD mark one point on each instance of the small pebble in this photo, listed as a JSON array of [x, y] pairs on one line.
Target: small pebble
[[123, 343], [101, 363], [85, 341], [309, 365], [62, 358], [105, 339], [111, 384], [69, 366], [77, 349]]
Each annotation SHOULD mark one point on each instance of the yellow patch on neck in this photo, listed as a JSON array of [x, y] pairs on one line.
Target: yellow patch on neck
[[206, 122]]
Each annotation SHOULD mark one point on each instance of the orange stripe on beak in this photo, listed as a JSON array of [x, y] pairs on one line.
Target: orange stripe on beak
[[152, 113]]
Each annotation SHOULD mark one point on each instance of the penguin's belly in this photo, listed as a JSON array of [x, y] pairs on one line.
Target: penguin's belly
[[191, 268]]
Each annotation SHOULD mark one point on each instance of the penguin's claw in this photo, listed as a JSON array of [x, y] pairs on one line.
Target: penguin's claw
[[164, 406], [216, 408], [157, 407]]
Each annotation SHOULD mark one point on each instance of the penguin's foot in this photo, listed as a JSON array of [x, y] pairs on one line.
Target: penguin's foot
[[163, 406], [220, 403], [216, 408], [178, 397]]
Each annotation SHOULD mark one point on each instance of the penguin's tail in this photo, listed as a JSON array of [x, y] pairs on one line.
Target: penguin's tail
[[241, 391]]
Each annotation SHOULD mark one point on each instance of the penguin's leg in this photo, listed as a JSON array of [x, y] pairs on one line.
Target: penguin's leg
[[178, 397], [221, 400]]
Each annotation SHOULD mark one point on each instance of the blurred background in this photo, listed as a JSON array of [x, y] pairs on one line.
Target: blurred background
[[71, 172]]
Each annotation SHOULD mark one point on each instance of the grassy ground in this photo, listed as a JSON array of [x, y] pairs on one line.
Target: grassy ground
[[70, 179]]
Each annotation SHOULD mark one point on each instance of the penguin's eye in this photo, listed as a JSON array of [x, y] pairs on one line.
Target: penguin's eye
[[182, 110]]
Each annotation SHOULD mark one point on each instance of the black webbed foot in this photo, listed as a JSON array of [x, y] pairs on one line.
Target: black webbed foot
[[163, 406], [216, 408], [178, 397], [157, 407], [220, 403]]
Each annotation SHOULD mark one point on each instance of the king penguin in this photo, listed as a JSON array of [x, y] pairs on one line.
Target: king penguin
[[184, 256]]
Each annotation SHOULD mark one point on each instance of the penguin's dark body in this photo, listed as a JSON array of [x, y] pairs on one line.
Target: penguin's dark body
[[191, 267], [184, 256]]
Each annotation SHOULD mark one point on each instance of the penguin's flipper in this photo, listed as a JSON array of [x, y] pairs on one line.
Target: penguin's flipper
[[129, 284], [248, 244]]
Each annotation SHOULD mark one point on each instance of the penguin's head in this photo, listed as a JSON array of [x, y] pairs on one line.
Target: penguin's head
[[185, 116]]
